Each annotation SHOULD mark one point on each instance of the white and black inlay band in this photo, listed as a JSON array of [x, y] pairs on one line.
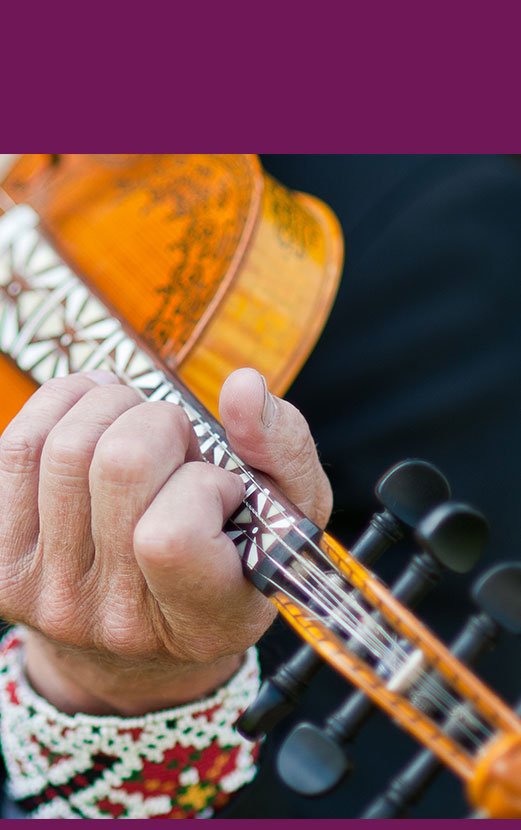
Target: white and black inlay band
[[52, 325]]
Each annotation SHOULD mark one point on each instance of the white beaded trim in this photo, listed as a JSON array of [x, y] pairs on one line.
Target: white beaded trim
[[29, 724]]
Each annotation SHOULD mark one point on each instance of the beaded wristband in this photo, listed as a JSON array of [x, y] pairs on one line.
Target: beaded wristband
[[184, 762]]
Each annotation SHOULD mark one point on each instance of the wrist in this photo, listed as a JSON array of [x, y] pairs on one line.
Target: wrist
[[75, 681], [182, 762]]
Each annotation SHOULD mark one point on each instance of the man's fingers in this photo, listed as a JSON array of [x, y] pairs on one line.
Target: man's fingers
[[64, 496], [21, 446], [183, 527], [273, 436], [132, 461], [192, 568]]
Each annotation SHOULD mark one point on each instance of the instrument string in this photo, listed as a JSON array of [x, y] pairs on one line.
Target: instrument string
[[196, 416], [438, 692], [339, 605], [324, 592], [425, 683]]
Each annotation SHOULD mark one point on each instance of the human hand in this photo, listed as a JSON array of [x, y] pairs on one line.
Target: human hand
[[112, 545]]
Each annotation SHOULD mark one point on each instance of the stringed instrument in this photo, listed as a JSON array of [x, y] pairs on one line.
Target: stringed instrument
[[171, 271]]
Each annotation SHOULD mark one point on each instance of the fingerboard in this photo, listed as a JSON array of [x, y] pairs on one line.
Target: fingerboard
[[52, 324]]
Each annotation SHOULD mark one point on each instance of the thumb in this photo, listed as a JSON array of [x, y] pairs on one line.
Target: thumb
[[273, 436]]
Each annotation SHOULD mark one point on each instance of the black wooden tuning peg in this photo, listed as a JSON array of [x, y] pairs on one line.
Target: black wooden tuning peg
[[279, 694], [314, 759], [498, 594], [411, 489], [455, 534], [408, 491]]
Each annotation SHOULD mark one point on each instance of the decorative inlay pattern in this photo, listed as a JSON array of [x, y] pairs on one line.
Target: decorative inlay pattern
[[170, 227], [52, 325]]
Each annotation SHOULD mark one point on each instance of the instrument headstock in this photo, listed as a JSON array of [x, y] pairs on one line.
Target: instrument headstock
[[407, 491], [397, 664]]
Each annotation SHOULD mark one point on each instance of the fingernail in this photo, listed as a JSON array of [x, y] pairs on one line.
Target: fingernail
[[101, 377], [270, 406]]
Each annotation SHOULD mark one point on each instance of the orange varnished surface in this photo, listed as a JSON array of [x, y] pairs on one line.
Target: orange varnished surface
[[280, 299], [213, 264], [404, 622], [493, 776], [16, 388], [158, 235], [495, 786], [362, 676]]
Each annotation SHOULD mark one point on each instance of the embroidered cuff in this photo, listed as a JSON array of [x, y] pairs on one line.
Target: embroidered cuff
[[184, 762]]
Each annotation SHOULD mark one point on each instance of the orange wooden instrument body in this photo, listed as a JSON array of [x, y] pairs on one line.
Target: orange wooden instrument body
[[204, 256]]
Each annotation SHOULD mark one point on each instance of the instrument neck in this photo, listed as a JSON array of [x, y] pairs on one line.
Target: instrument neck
[[39, 293]]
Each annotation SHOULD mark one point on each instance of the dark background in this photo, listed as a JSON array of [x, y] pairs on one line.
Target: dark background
[[421, 357]]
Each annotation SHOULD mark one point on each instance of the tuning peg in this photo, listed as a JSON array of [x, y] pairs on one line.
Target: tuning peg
[[311, 761], [455, 534], [477, 637], [407, 490], [412, 488], [295, 760], [498, 594], [279, 694]]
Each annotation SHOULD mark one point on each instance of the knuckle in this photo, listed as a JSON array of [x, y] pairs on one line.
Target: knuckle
[[55, 617], [19, 450], [120, 461], [170, 422], [130, 450], [158, 547], [70, 445], [22, 440], [67, 388], [66, 451], [121, 632], [114, 391]]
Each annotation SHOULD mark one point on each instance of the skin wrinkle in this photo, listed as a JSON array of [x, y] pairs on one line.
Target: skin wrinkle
[[133, 581], [309, 486], [18, 456], [136, 679]]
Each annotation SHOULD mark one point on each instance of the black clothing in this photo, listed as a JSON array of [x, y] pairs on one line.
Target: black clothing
[[421, 357]]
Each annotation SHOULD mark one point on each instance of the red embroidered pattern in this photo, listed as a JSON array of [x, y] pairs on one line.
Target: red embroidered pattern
[[184, 762]]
